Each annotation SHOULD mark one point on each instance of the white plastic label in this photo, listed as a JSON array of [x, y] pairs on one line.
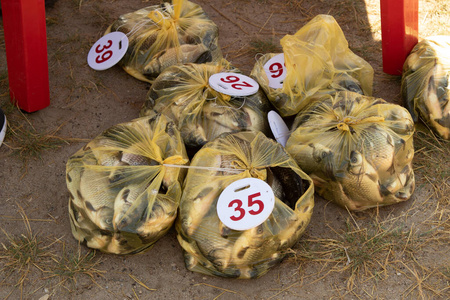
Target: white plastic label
[[245, 203], [233, 84], [108, 51], [279, 128], [276, 71]]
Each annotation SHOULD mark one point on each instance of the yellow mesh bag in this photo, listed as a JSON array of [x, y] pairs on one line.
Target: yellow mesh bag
[[163, 35], [357, 149], [318, 61], [425, 83], [122, 196], [212, 248], [183, 93]]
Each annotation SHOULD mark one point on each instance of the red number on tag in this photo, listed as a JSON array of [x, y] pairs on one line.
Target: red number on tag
[[104, 47], [245, 84], [231, 79], [251, 202], [106, 55], [237, 208], [278, 70]]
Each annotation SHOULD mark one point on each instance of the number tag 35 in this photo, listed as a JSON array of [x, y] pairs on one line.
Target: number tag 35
[[108, 51], [245, 203]]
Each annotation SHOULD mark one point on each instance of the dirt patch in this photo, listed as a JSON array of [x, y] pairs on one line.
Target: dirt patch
[[396, 252]]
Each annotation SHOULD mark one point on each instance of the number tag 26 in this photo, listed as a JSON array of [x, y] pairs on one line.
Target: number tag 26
[[233, 84], [245, 203]]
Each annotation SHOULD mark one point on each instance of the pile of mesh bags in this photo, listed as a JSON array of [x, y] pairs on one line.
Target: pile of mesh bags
[[212, 248], [358, 150], [317, 61], [129, 185], [425, 83], [201, 113], [125, 185], [164, 35]]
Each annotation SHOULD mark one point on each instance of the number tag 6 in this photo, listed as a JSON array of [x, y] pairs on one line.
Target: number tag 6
[[245, 203], [108, 51], [275, 70]]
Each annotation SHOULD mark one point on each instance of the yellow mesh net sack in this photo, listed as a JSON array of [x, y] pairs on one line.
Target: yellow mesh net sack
[[425, 83], [212, 248], [125, 187], [317, 61], [163, 35], [357, 149], [201, 113]]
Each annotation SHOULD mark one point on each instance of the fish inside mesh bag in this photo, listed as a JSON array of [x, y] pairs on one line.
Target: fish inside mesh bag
[[163, 35], [125, 187], [317, 61], [212, 248], [357, 149], [183, 93], [425, 83]]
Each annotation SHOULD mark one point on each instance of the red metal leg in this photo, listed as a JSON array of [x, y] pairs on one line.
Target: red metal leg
[[399, 32], [26, 53]]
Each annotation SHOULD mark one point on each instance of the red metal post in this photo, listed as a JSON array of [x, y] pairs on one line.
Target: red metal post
[[399, 32], [26, 53]]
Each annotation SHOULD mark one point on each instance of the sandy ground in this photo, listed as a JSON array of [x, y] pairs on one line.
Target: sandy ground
[[85, 102]]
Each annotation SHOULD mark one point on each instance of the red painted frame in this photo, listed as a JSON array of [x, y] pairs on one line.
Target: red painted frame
[[26, 53], [399, 32]]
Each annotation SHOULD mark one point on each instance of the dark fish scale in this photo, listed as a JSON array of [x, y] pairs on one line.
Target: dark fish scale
[[292, 184], [89, 206], [105, 232], [79, 195], [384, 192], [125, 195], [444, 121], [170, 128], [204, 58]]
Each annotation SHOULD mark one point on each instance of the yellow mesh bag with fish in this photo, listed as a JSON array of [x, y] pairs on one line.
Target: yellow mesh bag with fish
[[210, 247], [183, 93], [163, 35], [125, 185], [357, 149], [425, 83], [317, 61]]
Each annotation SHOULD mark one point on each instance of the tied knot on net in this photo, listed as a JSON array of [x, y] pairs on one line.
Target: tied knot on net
[[347, 123]]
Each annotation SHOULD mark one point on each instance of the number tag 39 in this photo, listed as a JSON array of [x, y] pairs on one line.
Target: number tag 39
[[275, 71], [245, 203], [233, 84], [108, 51]]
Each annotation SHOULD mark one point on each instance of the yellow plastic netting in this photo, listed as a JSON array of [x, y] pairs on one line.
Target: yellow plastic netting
[[163, 35], [212, 248], [425, 83], [183, 93], [318, 61], [357, 149], [123, 197]]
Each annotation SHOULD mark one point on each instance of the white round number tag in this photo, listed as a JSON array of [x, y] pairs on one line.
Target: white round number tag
[[276, 71], [246, 203], [279, 128], [108, 51], [233, 84]]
